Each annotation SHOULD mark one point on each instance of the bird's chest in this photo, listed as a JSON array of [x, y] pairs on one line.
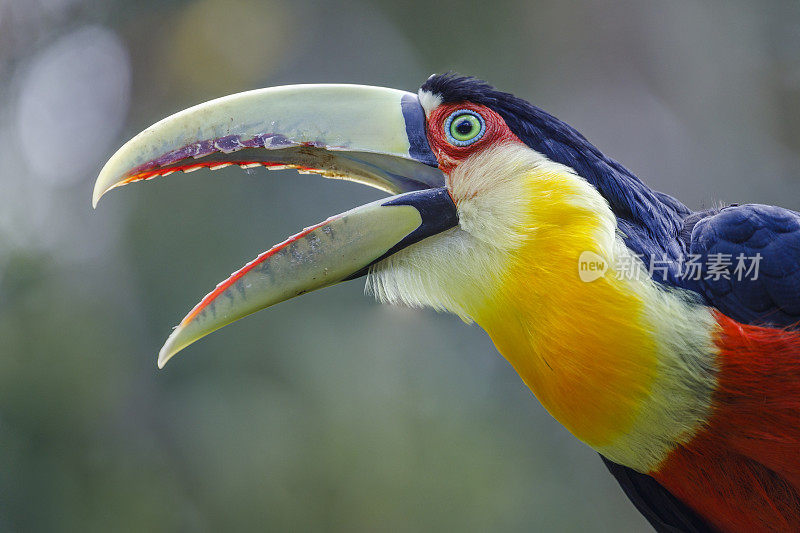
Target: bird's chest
[[581, 347], [625, 365]]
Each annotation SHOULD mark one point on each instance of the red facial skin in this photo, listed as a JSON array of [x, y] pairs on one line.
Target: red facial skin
[[450, 155]]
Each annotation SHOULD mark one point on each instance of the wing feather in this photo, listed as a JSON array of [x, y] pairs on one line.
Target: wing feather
[[765, 237]]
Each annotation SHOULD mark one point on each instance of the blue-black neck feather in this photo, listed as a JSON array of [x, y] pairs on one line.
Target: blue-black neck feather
[[650, 221]]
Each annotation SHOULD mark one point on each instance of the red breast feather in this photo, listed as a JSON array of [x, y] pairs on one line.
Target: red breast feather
[[742, 472]]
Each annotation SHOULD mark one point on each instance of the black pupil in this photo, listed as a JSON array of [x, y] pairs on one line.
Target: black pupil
[[464, 127]]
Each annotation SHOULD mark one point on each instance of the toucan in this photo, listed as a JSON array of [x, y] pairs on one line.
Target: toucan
[[665, 339]]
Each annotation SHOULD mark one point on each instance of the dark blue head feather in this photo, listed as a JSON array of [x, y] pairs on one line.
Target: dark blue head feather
[[649, 220]]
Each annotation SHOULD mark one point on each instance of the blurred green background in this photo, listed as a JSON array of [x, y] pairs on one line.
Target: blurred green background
[[328, 412]]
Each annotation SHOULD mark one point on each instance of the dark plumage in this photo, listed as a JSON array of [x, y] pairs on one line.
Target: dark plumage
[[773, 233]]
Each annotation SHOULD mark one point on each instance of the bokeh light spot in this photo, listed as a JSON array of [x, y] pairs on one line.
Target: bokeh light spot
[[73, 98]]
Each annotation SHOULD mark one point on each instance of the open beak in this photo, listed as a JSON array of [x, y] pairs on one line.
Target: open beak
[[367, 134]]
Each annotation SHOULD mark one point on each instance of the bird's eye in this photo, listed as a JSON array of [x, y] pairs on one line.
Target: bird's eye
[[464, 127]]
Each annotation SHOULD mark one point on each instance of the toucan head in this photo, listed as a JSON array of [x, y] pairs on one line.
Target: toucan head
[[481, 181]]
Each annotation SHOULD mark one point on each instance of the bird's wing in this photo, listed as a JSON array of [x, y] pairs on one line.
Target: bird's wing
[[765, 239], [665, 512]]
